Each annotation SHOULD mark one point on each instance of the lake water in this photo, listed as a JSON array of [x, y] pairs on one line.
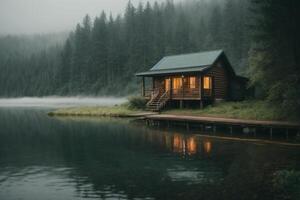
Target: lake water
[[48, 158]]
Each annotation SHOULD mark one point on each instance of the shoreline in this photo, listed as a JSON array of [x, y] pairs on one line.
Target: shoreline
[[124, 111], [246, 110], [100, 111]]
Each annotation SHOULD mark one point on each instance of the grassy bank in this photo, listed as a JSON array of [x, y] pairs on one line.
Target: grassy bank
[[257, 110], [114, 111]]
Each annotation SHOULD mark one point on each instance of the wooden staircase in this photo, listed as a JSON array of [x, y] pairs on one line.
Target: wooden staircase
[[158, 101]]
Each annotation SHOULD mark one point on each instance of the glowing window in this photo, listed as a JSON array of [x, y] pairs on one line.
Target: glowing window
[[177, 83], [167, 84], [192, 82], [207, 82]]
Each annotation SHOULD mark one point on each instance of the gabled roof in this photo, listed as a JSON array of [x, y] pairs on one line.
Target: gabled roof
[[184, 63]]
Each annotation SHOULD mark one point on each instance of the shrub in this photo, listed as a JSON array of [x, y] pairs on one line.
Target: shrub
[[287, 184], [137, 102]]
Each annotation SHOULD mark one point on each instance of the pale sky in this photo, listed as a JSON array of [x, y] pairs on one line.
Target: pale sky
[[44, 16]]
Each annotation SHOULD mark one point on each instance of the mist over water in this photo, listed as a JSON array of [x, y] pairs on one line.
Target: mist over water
[[54, 102]]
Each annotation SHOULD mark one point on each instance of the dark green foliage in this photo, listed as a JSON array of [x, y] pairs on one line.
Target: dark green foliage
[[275, 53], [287, 184], [137, 102]]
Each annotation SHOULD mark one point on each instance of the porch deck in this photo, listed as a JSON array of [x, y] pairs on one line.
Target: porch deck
[[182, 94]]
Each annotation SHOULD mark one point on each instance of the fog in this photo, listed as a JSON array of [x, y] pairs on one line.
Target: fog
[[44, 16], [56, 102]]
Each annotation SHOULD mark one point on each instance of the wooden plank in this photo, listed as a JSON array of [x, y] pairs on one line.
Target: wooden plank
[[217, 120]]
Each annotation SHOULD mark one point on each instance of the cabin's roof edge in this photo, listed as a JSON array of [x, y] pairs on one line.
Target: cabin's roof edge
[[174, 71]]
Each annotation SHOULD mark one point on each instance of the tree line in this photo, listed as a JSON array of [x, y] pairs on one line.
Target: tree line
[[101, 55]]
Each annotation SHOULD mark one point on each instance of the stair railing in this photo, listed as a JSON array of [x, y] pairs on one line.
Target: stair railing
[[154, 95], [164, 98]]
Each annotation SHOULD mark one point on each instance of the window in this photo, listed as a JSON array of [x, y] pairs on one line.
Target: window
[[207, 83], [177, 83], [192, 82]]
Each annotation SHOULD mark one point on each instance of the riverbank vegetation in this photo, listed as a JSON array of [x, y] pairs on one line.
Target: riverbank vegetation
[[101, 111], [256, 110]]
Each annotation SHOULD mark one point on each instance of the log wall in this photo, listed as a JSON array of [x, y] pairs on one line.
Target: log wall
[[220, 81]]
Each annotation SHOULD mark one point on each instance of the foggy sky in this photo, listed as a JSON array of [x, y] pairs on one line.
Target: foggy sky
[[44, 16]]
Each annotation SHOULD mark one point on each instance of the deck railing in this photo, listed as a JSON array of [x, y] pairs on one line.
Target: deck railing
[[177, 93], [186, 93], [148, 93]]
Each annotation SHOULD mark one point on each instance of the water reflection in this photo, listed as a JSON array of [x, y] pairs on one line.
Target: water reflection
[[207, 146], [187, 145], [47, 158]]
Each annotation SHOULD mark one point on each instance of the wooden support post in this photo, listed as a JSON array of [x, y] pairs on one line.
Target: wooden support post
[[201, 104], [187, 126], [200, 88], [143, 86], [214, 128], [254, 131], [168, 124], [231, 130], [171, 87], [182, 85], [153, 83], [202, 127], [287, 133], [271, 133], [181, 104]]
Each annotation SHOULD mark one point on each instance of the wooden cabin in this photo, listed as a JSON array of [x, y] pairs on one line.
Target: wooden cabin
[[196, 78]]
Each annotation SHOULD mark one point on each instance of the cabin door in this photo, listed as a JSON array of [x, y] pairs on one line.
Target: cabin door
[[167, 84]]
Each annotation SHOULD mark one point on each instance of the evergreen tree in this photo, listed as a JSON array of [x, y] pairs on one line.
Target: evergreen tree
[[275, 51]]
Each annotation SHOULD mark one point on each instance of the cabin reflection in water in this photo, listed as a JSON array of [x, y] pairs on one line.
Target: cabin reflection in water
[[180, 143], [190, 145]]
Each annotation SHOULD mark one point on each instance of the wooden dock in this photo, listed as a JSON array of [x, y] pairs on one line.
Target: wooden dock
[[228, 122]]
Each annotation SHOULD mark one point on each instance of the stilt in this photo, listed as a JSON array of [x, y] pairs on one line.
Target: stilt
[[201, 104], [271, 133], [187, 126], [287, 134], [202, 127], [181, 104], [143, 86], [214, 128], [231, 130]]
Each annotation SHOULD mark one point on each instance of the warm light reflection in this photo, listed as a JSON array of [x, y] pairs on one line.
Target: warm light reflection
[[178, 144], [191, 145], [207, 146], [187, 145]]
